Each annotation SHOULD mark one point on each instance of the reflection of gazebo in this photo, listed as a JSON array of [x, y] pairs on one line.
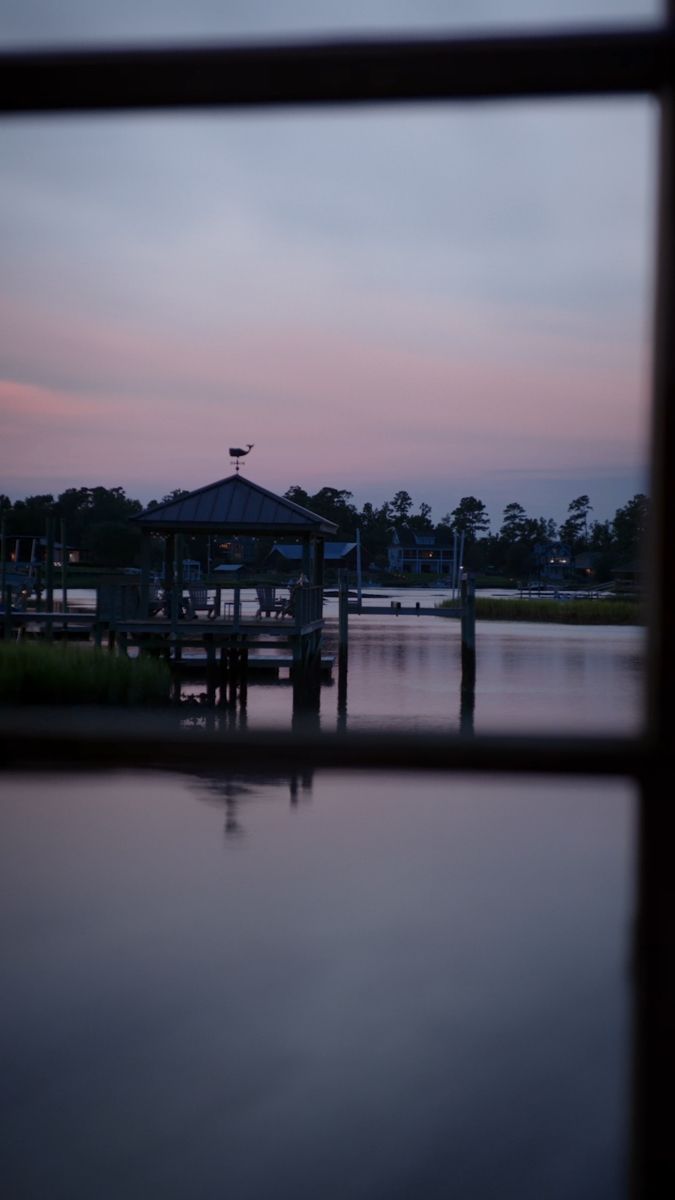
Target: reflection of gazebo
[[231, 507]]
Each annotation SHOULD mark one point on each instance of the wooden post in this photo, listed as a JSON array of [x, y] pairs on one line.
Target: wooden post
[[359, 577], [145, 575], [3, 555], [38, 587], [64, 570], [315, 576], [49, 575], [306, 558], [169, 567], [343, 645], [234, 674], [237, 606], [243, 675], [179, 579], [170, 586], [467, 705], [468, 621], [7, 600], [343, 666], [343, 611], [210, 669]]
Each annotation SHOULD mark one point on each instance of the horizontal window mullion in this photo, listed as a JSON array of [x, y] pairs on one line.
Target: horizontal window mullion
[[63, 739], [338, 72]]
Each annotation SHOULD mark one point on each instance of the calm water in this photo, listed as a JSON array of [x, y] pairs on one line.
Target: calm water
[[339, 986], [404, 672]]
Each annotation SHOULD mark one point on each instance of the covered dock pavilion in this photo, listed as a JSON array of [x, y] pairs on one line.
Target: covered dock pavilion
[[231, 507]]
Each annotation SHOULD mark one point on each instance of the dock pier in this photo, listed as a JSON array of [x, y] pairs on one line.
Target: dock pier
[[464, 611]]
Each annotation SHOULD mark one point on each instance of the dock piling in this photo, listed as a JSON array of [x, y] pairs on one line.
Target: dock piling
[[7, 622], [343, 642], [468, 621]]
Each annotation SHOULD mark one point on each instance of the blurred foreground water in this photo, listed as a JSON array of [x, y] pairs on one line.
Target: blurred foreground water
[[340, 985]]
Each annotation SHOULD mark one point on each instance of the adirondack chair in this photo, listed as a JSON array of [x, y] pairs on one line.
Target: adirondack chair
[[289, 605], [199, 602], [268, 602]]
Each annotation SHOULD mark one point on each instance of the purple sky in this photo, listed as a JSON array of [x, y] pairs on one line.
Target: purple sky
[[449, 300]]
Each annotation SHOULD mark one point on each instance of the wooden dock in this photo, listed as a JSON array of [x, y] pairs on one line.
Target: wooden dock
[[398, 609], [235, 642], [269, 665]]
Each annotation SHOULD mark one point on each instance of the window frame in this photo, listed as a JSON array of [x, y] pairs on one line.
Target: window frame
[[612, 61]]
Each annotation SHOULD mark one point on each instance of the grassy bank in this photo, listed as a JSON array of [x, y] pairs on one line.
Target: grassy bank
[[61, 674], [562, 612]]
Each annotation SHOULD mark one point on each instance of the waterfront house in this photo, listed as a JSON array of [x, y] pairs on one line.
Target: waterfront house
[[553, 561], [412, 553]]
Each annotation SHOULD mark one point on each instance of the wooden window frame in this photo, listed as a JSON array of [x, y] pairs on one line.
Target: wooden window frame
[[400, 70]]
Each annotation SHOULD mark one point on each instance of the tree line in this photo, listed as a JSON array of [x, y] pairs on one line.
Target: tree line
[[97, 523], [510, 551]]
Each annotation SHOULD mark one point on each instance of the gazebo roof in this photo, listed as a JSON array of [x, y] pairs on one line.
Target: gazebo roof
[[233, 505]]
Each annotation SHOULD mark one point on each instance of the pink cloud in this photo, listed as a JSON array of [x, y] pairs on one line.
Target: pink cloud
[[430, 391], [27, 403]]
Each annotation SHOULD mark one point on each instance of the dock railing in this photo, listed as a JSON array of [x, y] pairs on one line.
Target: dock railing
[[306, 604], [121, 600]]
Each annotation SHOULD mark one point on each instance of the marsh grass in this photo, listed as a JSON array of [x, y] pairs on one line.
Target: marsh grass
[[33, 673], [561, 612]]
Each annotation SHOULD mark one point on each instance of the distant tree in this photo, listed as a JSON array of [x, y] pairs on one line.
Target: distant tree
[[29, 516], [109, 539], [175, 494], [574, 530], [421, 522], [470, 518], [513, 524], [399, 508], [518, 536], [298, 495], [335, 504], [375, 526], [630, 527], [601, 537]]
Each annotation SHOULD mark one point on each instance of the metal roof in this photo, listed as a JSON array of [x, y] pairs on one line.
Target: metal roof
[[233, 505], [405, 536], [331, 550]]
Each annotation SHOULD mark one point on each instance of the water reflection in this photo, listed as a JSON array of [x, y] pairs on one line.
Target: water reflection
[[232, 792], [417, 990], [406, 674]]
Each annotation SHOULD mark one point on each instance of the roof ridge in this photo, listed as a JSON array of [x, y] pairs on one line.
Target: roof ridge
[[246, 485]]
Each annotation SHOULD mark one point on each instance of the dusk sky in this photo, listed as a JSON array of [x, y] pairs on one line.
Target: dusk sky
[[453, 300]]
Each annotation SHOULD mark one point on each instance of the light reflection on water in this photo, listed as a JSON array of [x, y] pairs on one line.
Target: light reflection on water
[[384, 986]]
